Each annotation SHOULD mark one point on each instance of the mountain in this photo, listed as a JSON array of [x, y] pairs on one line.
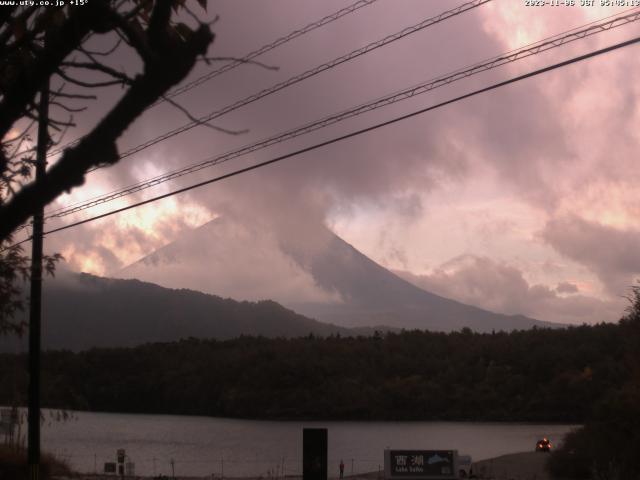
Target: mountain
[[316, 274], [82, 311]]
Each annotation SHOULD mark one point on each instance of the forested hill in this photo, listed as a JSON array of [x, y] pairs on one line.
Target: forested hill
[[81, 311], [537, 375]]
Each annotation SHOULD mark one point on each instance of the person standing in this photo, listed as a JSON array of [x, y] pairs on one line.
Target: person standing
[[341, 469]]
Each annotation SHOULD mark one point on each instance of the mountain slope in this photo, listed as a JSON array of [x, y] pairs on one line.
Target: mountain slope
[[82, 311], [334, 282]]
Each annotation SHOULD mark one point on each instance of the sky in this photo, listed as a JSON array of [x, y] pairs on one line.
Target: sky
[[522, 200]]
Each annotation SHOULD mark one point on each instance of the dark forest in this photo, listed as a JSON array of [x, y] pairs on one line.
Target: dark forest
[[536, 375]]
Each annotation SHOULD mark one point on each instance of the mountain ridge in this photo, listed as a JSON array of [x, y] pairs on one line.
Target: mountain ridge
[[83, 311], [351, 289]]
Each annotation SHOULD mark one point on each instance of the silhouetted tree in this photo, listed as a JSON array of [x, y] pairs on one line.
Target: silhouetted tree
[[607, 447], [41, 43]]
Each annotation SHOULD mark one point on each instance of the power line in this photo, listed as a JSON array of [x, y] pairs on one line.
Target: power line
[[350, 135], [307, 74], [596, 26], [512, 56], [264, 49], [361, 51], [247, 58]]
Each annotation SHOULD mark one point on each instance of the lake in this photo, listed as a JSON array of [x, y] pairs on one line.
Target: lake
[[202, 446]]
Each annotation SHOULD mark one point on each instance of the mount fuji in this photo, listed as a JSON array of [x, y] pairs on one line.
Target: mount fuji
[[320, 276]]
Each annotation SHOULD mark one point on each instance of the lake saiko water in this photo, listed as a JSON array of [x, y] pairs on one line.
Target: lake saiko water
[[200, 446]]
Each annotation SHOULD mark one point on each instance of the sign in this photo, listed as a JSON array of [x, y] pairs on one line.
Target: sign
[[421, 464], [109, 467]]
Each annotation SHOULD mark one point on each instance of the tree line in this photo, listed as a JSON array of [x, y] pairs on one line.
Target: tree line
[[535, 375], [583, 374], [607, 446]]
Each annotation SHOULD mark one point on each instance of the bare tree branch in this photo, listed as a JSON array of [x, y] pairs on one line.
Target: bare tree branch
[[60, 43], [190, 13], [163, 69], [132, 34], [58, 123], [100, 68], [106, 53], [65, 107], [200, 122], [62, 134], [81, 83], [76, 96]]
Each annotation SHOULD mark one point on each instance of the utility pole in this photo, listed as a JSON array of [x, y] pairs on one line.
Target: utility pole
[[35, 307]]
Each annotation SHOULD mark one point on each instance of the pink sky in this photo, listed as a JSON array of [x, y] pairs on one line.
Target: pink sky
[[523, 200]]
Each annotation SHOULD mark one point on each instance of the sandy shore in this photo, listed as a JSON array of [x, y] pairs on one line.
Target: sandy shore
[[517, 466]]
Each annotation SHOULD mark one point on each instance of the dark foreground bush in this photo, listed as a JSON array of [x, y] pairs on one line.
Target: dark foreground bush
[[13, 465], [606, 448], [572, 459]]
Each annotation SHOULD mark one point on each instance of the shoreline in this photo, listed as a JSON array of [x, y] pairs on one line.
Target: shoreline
[[318, 419], [513, 466]]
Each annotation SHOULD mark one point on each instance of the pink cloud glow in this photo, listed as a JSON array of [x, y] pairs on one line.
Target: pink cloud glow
[[537, 175]]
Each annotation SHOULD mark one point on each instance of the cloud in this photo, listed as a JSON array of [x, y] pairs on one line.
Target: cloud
[[548, 141], [567, 287], [609, 252], [502, 288], [105, 246], [389, 164], [244, 261]]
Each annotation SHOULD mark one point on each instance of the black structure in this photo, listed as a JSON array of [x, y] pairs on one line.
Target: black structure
[[35, 307], [314, 454]]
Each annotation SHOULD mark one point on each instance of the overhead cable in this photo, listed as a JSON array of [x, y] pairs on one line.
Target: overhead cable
[[248, 57], [350, 135], [307, 74], [524, 52], [264, 49]]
